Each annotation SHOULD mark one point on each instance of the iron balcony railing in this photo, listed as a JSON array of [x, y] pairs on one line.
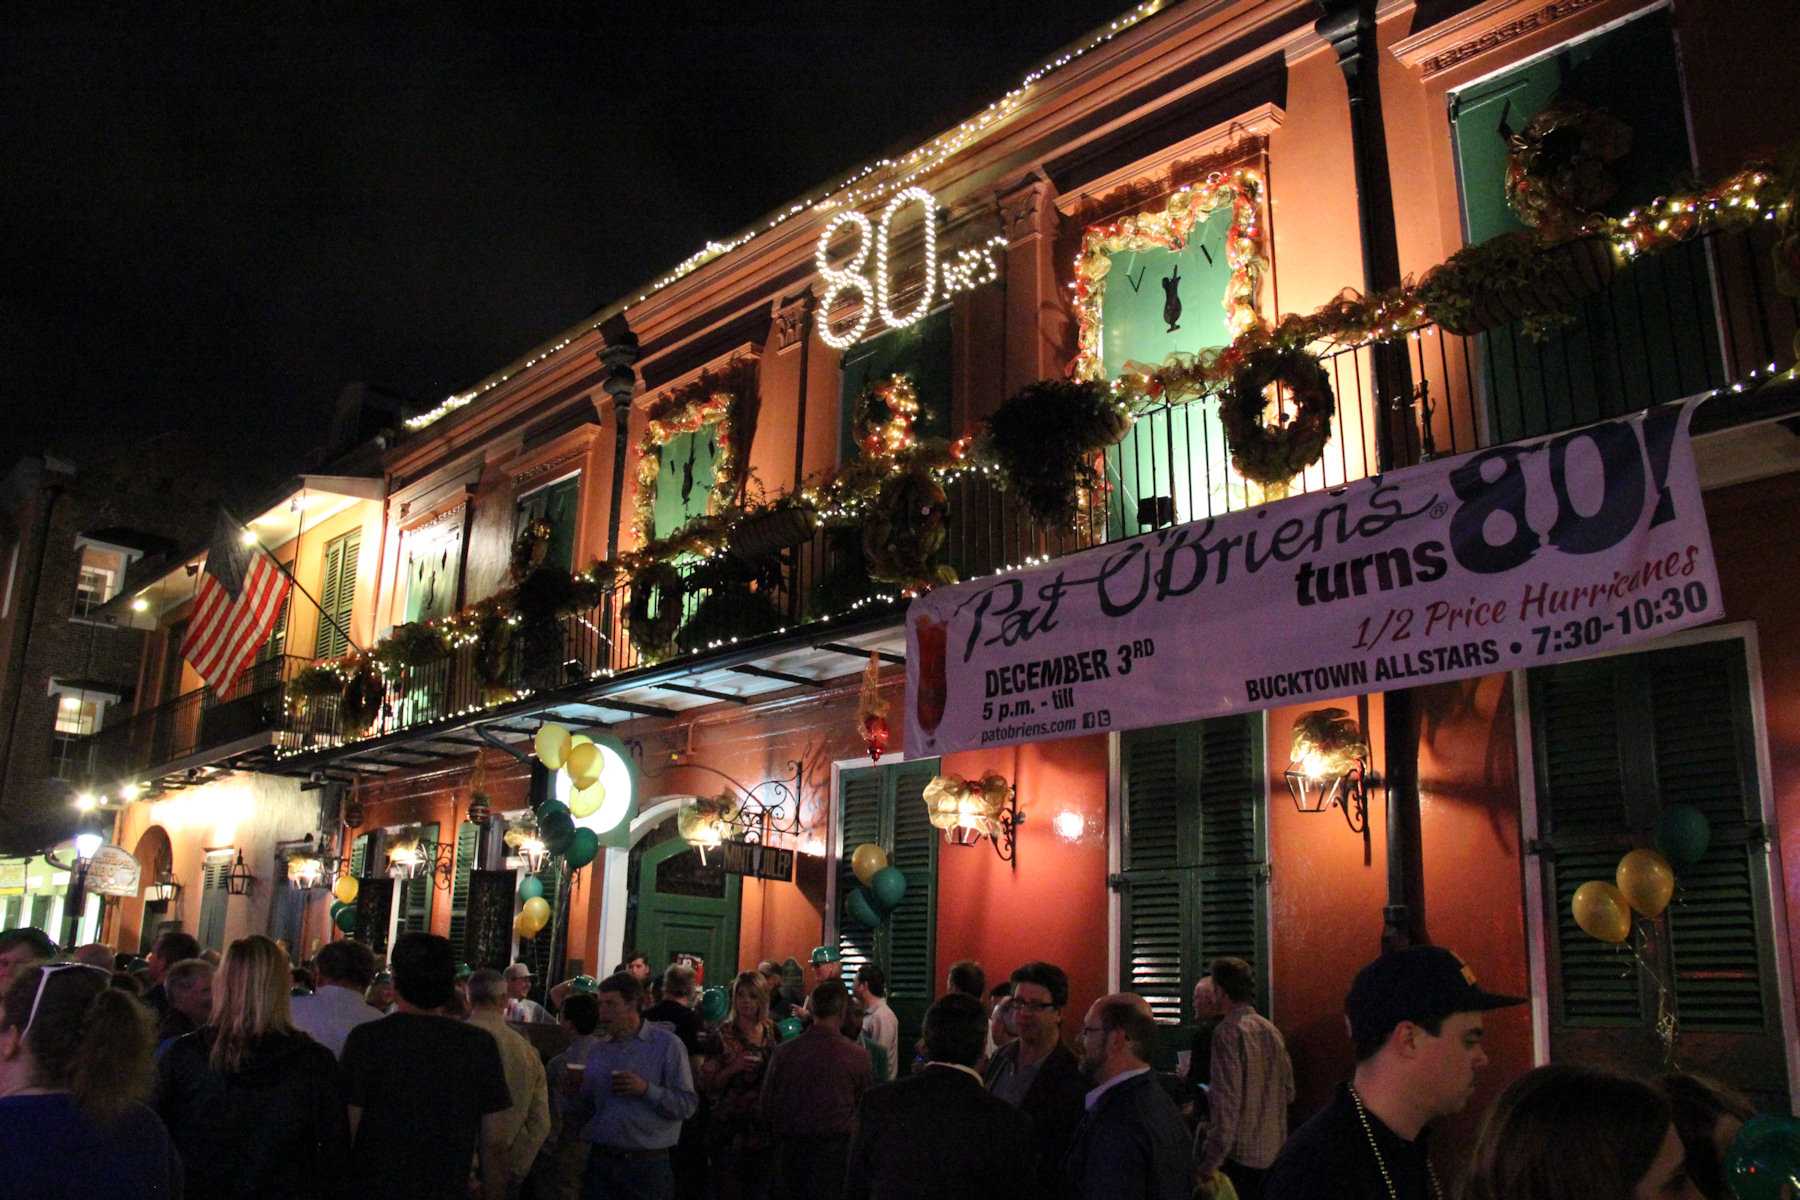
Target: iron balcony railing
[[1694, 319]]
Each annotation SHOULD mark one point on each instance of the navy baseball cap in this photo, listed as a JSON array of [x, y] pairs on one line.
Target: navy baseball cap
[[1421, 984]]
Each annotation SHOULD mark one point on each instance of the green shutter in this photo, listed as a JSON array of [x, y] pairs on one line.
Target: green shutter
[[550, 877], [415, 899], [337, 594], [859, 815], [556, 504], [468, 840], [359, 855], [1194, 856]]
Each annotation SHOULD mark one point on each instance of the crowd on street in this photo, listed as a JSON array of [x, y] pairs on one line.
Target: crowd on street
[[193, 1074]]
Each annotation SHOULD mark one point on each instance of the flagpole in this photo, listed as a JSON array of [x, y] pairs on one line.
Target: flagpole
[[299, 587]]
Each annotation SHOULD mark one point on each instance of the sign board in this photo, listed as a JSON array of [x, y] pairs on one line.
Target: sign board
[[755, 860], [113, 871], [12, 879], [1516, 556]]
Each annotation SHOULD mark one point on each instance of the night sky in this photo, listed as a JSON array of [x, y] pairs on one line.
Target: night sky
[[213, 218]]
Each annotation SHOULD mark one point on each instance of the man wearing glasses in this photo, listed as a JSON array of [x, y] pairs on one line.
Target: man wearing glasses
[[1038, 1072], [1133, 1144]]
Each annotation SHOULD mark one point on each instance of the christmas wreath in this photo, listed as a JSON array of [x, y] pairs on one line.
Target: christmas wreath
[[654, 636], [1557, 166], [1272, 454], [885, 413], [529, 548], [905, 529], [361, 701]]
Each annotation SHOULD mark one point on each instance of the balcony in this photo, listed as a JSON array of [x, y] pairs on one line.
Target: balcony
[[1705, 316]]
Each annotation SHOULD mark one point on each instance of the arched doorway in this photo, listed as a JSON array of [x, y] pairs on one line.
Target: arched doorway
[[156, 860], [679, 904]]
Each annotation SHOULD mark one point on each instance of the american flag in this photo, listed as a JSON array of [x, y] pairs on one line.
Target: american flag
[[240, 596]]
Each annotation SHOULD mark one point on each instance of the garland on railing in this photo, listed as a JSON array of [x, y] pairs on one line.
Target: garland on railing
[[893, 490]]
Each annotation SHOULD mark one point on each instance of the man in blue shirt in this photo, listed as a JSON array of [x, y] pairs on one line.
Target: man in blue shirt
[[636, 1091]]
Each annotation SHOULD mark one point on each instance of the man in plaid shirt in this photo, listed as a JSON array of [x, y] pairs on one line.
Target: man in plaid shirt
[[1252, 1086]]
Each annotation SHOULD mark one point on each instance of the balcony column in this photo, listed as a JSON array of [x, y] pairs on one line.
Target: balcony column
[[1035, 334], [1349, 26], [618, 356]]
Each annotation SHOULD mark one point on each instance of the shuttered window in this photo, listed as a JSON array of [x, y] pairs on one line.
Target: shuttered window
[[558, 505], [337, 594], [1616, 741], [468, 840], [1194, 852], [416, 895], [886, 805], [359, 855], [215, 872]]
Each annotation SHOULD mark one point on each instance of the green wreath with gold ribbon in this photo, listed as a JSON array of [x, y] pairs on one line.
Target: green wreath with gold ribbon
[[1270, 454], [654, 636]]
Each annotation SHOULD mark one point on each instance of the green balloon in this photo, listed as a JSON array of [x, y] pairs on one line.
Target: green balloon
[[1682, 834], [582, 848], [338, 906], [862, 909], [1764, 1158], [531, 887], [790, 1027], [889, 888], [714, 1004], [346, 920], [558, 831], [549, 808]]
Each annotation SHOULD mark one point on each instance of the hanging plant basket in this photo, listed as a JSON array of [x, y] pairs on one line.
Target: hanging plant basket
[[766, 533], [1509, 279], [1273, 454], [413, 644], [314, 683], [1045, 439]]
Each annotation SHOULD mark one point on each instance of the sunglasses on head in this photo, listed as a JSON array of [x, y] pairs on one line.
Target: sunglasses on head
[[47, 971]]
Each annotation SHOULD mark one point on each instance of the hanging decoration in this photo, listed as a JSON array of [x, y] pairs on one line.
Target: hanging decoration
[[658, 586], [1557, 169], [871, 710], [717, 399], [530, 547], [1273, 453], [953, 803], [884, 417], [1046, 440], [905, 530], [480, 808]]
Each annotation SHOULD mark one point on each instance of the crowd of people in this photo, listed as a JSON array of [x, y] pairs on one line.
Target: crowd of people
[[185, 1076]]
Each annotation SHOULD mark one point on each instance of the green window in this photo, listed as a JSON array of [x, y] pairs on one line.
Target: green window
[[1195, 858], [886, 805], [433, 568], [687, 469], [416, 894], [468, 842], [556, 504], [1652, 338], [1616, 741], [337, 595], [922, 353]]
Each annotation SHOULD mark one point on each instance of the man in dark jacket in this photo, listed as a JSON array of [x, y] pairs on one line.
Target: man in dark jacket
[[1038, 1072], [937, 1132], [1133, 1144]]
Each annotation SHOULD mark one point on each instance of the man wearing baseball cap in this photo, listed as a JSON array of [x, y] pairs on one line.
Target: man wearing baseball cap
[[519, 1005], [1415, 1016]]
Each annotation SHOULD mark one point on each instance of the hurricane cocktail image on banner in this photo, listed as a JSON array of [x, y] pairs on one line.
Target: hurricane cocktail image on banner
[[1516, 556]]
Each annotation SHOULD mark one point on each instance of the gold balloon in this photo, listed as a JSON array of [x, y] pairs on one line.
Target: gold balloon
[[1601, 911], [537, 912], [866, 860], [1647, 881], [583, 764], [523, 927], [552, 745], [585, 802], [345, 889]]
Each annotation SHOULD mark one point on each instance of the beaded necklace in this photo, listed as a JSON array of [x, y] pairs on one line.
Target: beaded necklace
[[1362, 1114]]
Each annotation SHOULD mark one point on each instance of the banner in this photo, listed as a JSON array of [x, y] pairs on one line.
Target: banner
[[12, 879], [1517, 556]]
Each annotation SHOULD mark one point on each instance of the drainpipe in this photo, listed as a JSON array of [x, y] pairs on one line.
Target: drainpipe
[[1349, 26]]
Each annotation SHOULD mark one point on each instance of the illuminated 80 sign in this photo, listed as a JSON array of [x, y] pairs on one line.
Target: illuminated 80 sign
[[958, 272]]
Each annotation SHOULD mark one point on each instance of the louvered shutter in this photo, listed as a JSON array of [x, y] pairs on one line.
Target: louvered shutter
[[337, 594], [1616, 741], [468, 837], [911, 929], [859, 814], [415, 900], [1194, 856], [359, 855]]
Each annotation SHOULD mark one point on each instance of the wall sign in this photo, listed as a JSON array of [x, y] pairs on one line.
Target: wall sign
[[1516, 556], [113, 872], [755, 860], [872, 282]]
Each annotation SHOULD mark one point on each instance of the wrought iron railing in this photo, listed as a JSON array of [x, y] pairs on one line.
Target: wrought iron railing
[[1697, 318]]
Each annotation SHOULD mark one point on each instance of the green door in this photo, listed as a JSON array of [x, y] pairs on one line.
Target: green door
[[682, 905]]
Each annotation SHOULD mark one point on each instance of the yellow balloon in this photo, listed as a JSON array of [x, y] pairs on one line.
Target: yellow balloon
[[585, 802], [866, 860], [583, 764], [523, 927], [345, 889], [552, 745], [1647, 881], [538, 910], [1601, 911]]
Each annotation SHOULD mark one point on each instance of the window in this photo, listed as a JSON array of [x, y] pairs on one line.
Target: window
[[468, 841], [1653, 337], [337, 595], [214, 873], [1615, 741], [1195, 857], [433, 568], [687, 469], [416, 894], [922, 353], [94, 587], [556, 504], [886, 805], [77, 716]]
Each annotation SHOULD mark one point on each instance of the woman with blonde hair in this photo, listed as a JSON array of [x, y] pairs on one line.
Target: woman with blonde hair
[[731, 1077], [74, 1067], [255, 1106]]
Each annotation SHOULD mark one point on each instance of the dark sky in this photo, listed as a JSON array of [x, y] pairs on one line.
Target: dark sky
[[213, 217]]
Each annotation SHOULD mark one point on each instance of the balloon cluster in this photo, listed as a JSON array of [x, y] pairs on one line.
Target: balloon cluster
[[1645, 879], [882, 886], [534, 913], [343, 907], [559, 750]]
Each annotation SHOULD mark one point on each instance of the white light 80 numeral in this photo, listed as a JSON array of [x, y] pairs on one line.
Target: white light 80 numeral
[[840, 282]]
